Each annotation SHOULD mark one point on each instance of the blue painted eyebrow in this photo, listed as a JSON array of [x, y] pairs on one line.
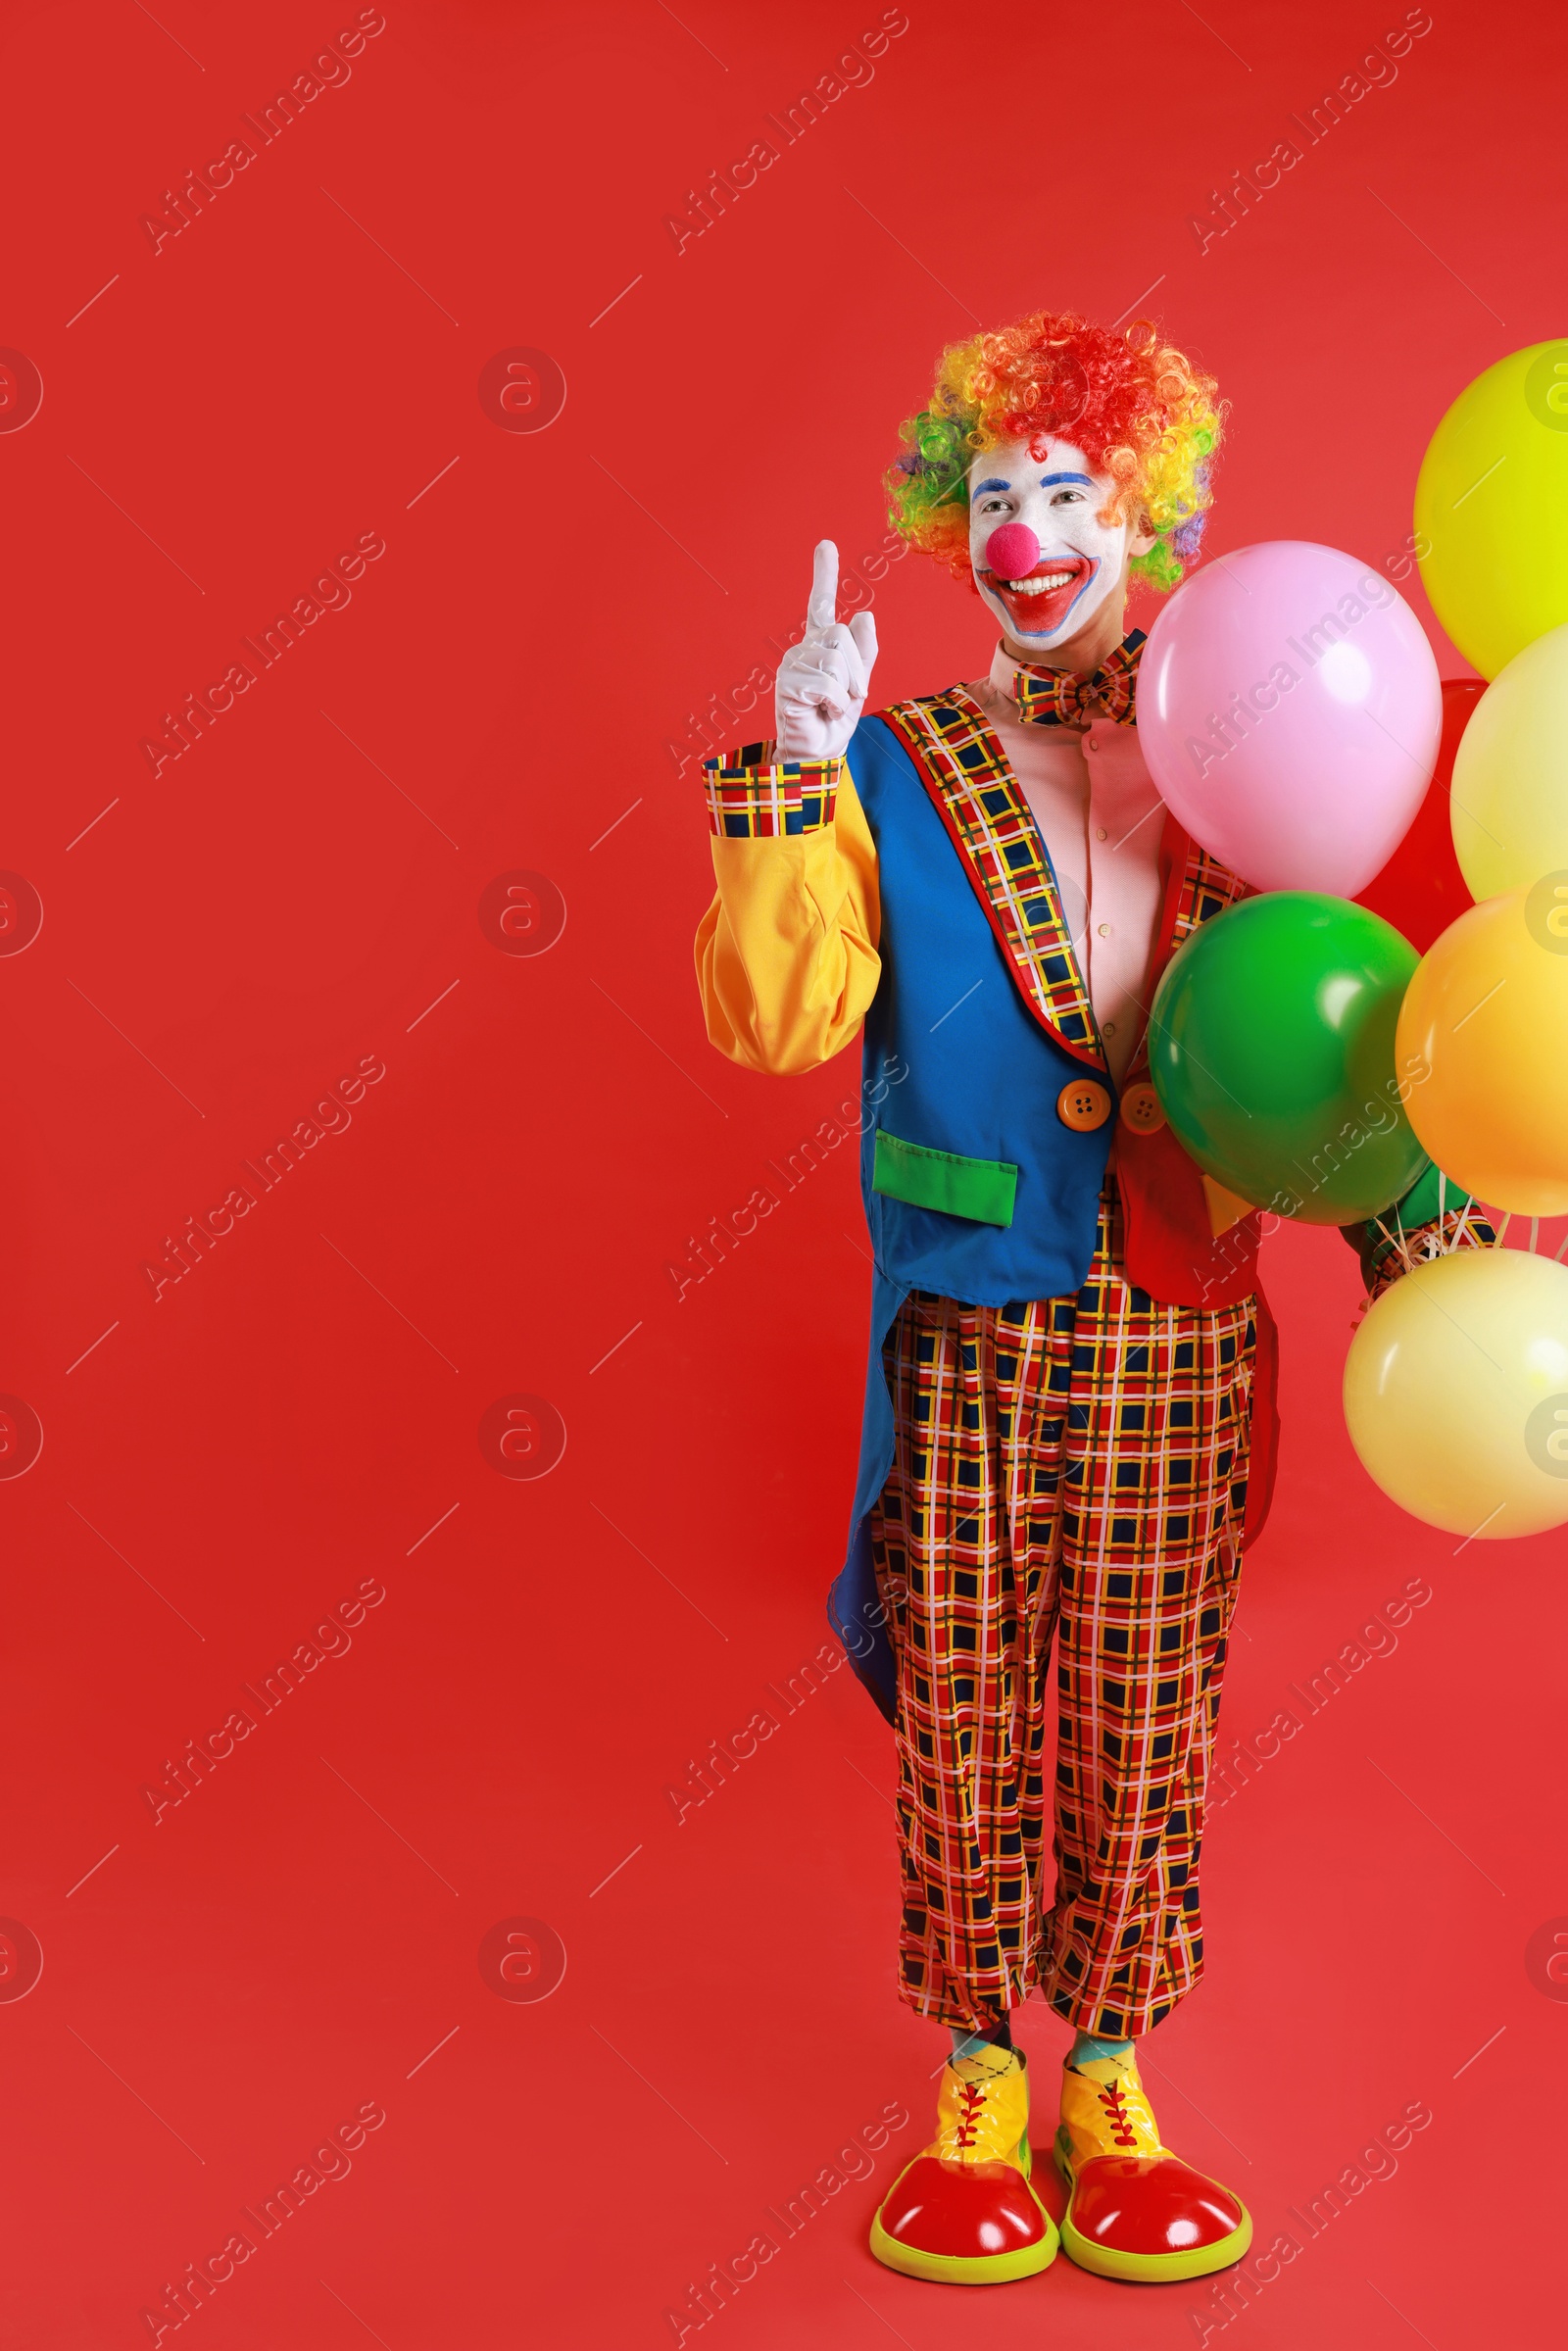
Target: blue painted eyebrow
[[1046, 481], [995, 483]]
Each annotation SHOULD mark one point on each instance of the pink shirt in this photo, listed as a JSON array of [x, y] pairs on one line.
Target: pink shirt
[[1101, 818]]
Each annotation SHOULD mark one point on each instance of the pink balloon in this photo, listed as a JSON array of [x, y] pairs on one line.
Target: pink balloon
[[1290, 711]]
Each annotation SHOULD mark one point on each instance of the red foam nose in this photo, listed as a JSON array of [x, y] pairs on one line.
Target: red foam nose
[[1012, 551]]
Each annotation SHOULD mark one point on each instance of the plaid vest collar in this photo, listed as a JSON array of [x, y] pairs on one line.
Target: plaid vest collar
[[990, 823], [1056, 697]]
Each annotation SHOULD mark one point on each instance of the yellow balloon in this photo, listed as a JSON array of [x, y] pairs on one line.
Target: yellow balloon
[[1492, 507], [1456, 1393], [1482, 1050], [1508, 805]]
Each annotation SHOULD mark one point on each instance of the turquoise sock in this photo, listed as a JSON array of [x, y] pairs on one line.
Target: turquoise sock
[[970, 2045], [1087, 2048]]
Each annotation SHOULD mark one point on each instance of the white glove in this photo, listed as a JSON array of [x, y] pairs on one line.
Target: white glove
[[822, 685]]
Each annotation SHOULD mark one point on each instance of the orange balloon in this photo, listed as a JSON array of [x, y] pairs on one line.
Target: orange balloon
[[1482, 1050]]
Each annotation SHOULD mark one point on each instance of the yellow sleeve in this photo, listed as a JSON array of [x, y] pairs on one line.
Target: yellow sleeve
[[787, 953]]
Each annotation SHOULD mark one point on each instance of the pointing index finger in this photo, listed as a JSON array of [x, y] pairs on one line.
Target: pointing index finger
[[822, 610]]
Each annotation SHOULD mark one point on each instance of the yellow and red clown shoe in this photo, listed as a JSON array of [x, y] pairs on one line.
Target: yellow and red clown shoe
[[1135, 2210], [963, 2212]]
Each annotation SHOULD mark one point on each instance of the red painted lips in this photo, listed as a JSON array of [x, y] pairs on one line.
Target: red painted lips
[[1036, 610]]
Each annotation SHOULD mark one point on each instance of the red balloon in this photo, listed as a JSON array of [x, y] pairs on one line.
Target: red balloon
[[1421, 889]]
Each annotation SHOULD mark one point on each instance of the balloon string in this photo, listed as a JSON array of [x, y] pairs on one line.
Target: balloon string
[[1558, 1256], [1394, 1241], [1503, 1229], [1535, 1228]]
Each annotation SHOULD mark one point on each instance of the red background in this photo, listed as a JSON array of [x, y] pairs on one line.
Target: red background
[[221, 418]]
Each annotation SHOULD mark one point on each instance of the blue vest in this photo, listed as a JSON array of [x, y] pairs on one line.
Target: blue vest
[[983, 1076], [955, 1063]]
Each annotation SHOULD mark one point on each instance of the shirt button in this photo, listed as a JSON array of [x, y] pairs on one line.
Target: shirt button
[[1105, 930], [1099, 832]]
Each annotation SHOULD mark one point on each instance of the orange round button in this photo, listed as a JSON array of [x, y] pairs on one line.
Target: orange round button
[[1083, 1105], [1140, 1111]]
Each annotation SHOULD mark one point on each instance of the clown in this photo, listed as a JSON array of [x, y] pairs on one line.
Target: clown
[[1069, 1422]]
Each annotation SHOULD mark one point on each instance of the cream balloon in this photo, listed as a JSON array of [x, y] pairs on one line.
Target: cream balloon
[[1509, 803], [1456, 1393]]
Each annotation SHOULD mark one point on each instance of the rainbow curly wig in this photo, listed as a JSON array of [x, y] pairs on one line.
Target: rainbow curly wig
[[1137, 409]]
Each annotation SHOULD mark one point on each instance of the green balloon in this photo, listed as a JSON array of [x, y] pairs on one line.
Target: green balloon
[[1271, 1047]]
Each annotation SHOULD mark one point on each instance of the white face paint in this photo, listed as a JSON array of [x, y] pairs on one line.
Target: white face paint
[[1081, 560]]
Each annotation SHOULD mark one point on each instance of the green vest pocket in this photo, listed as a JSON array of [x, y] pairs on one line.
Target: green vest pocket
[[982, 1190]]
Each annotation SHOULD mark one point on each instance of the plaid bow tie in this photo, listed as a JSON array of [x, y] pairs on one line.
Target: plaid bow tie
[[1056, 697]]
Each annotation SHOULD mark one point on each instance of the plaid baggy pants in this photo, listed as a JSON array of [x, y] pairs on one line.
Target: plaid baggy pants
[[1076, 1467]]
